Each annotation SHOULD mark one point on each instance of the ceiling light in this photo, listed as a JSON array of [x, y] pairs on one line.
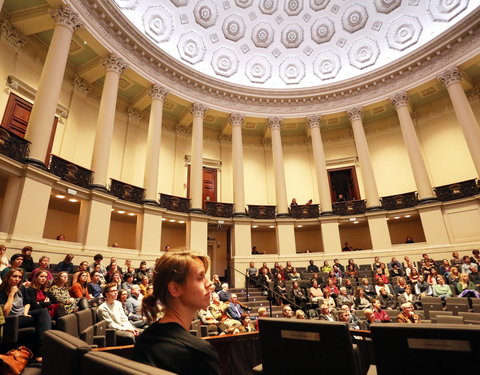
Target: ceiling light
[[121, 212], [163, 219], [254, 226], [131, 214], [181, 222], [353, 219], [397, 217], [60, 196], [172, 220], [272, 226], [408, 215], [113, 209], [73, 200], [387, 218], [299, 226]]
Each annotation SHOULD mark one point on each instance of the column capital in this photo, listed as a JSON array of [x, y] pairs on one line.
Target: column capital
[[157, 92], [355, 113], [80, 86], [266, 141], [236, 119], [308, 140], [181, 130], [112, 62], [449, 76], [134, 114], [314, 121], [198, 110], [65, 16], [12, 35], [274, 123], [224, 139], [399, 99]]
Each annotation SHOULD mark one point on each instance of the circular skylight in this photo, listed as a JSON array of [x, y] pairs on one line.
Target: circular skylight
[[282, 44]]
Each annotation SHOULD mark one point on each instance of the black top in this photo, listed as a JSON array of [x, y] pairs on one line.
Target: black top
[[170, 347]]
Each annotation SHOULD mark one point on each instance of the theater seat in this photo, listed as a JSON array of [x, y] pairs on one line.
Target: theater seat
[[101, 363]]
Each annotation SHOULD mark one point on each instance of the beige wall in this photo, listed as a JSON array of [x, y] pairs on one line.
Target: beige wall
[[265, 241], [357, 235], [60, 222], [175, 236], [401, 229], [122, 233], [309, 239]]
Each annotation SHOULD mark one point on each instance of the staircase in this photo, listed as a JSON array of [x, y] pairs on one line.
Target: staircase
[[256, 300]]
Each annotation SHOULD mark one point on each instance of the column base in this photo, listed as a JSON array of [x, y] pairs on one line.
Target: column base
[[374, 208], [150, 202], [327, 213], [427, 200], [37, 163], [240, 214], [99, 187], [283, 214], [197, 211]]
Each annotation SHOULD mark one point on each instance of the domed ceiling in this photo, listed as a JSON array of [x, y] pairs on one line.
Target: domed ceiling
[[283, 44]]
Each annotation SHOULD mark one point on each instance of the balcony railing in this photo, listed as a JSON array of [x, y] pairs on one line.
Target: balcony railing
[[173, 203], [261, 212], [127, 192], [13, 146], [307, 211], [457, 190], [399, 201], [70, 172], [349, 208], [219, 209]]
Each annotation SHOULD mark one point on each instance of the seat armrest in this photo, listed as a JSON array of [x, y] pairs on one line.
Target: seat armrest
[[100, 341], [111, 337], [10, 330], [204, 330], [193, 332]]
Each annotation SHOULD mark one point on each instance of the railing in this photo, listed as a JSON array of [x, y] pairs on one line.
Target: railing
[[261, 212], [219, 209], [127, 192], [399, 201], [13, 146], [349, 208], [457, 190], [307, 211], [70, 172], [173, 203]]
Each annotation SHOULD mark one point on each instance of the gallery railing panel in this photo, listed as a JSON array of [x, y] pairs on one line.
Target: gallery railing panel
[[261, 212], [174, 203], [13, 146], [219, 209], [127, 192], [457, 190], [70, 172], [349, 208], [306, 211], [399, 201]]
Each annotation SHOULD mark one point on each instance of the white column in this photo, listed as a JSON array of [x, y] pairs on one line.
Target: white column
[[280, 186], [237, 163], [43, 112], [355, 115], [196, 169], [106, 119], [451, 79], [157, 93], [320, 164], [422, 181]]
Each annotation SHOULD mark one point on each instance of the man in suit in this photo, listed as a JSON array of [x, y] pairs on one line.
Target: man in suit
[[224, 294], [235, 311], [407, 315]]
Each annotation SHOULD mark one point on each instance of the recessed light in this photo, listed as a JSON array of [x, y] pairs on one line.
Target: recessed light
[[254, 226], [121, 212], [113, 209], [408, 215], [60, 196], [272, 226], [299, 226], [355, 222], [131, 214], [387, 218], [181, 222], [353, 219], [172, 220], [397, 217], [73, 200], [163, 219]]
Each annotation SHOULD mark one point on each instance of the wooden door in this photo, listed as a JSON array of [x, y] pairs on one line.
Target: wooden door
[[209, 185], [16, 117]]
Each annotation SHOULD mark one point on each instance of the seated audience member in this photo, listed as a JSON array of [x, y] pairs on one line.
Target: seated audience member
[[113, 269], [315, 291], [337, 263], [126, 266], [207, 319], [432, 277], [454, 275], [380, 314], [234, 309], [456, 260], [59, 293], [37, 294], [80, 288], [312, 268], [326, 267], [326, 314], [117, 279], [408, 269], [400, 287], [393, 262], [43, 264], [14, 302], [316, 277], [387, 300], [254, 250], [262, 313], [409, 240], [327, 299], [66, 264], [331, 276], [142, 271], [422, 287], [337, 273], [396, 271], [349, 286], [133, 306], [369, 318], [407, 315], [381, 285], [294, 202], [474, 276], [4, 263], [413, 277], [426, 258], [309, 202], [287, 312], [466, 288], [368, 288], [94, 287], [334, 291], [384, 269], [409, 296], [440, 289], [344, 317], [347, 247], [224, 295], [475, 258], [288, 268], [97, 260], [467, 262], [83, 267], [219, 311], [344, 298], [362, 300], [144, 285], [112, 312], [128, 281], [217, 283], [16, 261], [380, 275], [444, 268], [376, 263], [294, 275], [263, 267], [351, 271], [28, 264], [298, 295], [299, 314], [426, 268], [112, 260]]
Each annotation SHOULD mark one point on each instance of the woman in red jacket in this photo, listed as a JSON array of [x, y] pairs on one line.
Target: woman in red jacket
[[80, 289]]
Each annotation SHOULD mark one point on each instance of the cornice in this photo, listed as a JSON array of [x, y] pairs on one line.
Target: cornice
[[105, 22]]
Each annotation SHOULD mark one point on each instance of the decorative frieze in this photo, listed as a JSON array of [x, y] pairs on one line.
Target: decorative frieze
[[12, 36]]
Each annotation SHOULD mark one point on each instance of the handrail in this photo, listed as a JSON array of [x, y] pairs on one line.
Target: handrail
[[273, 293]]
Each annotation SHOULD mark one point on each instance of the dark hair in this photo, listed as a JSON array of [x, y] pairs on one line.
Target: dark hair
[[15, 256], [126, 276], [26, 248], [98, 257], [42, 287], [108, 287]]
